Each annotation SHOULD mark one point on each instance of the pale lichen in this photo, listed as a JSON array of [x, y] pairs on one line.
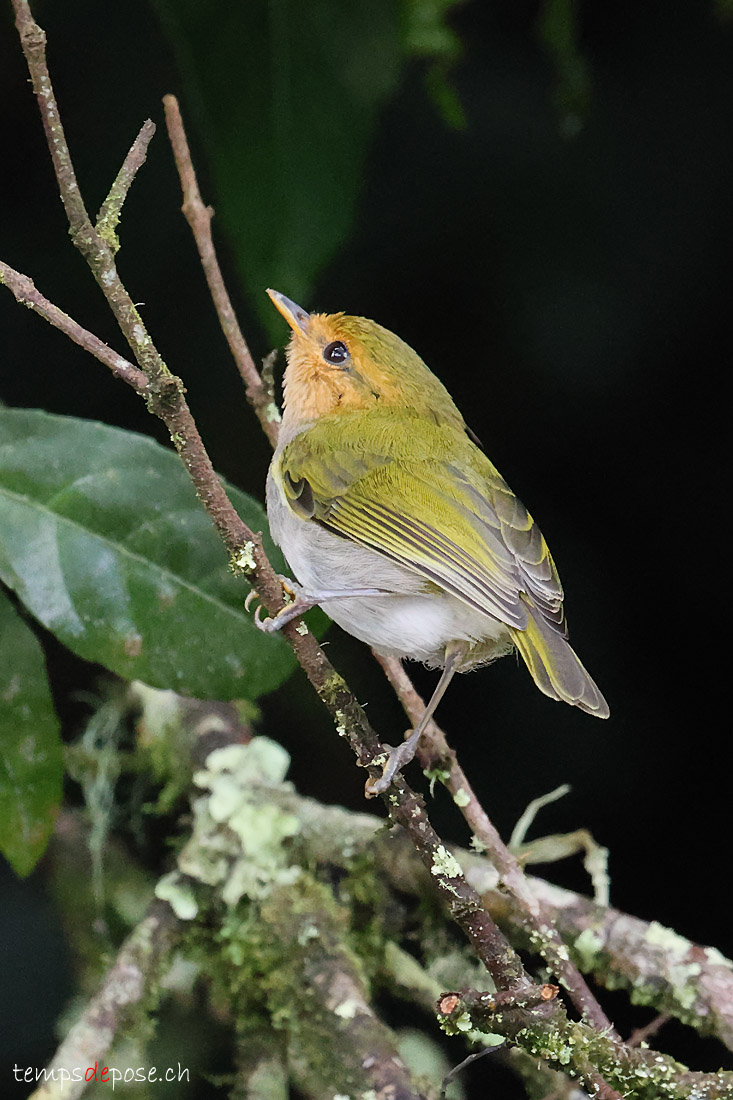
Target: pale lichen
[[682, 971], [245, 559], [237, 842], [349, 1008], [340, 720], [587, 947], [179, 894], [444, 863]]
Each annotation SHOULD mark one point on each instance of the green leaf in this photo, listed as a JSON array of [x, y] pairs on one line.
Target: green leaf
[[429, 35], [723, 9], [286, 97], [559, 32], [31, 767], [104, 541]]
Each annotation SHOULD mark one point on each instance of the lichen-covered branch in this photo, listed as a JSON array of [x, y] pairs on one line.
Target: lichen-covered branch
[[282, 944], [318, 993], [129, 981], [656, 965], [109, 214], [638, 1072], [250, 834]]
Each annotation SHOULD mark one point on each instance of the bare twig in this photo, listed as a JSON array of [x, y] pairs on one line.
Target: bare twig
[[24, 291], [641, 1034], [92, 245], [199, 216]]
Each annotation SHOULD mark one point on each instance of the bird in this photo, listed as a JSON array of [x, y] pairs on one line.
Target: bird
[[393, 518]]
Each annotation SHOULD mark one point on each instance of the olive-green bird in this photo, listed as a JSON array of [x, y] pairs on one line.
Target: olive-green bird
[[392, 517]]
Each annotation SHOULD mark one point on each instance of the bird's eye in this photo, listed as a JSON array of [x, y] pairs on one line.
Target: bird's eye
[[336, 353]]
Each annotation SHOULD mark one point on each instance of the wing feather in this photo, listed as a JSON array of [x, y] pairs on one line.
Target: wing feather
[[431, 501]]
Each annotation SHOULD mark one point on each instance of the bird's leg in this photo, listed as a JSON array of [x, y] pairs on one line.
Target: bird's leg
[[303, 601], [401, 755]]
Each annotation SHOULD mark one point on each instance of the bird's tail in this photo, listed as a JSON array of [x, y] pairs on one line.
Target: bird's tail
[[555, 668]]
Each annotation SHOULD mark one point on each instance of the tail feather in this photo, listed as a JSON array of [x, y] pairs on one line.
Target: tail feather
[[555, 668]]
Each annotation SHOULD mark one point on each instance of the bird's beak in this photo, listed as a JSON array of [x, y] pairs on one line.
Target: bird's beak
[[296, 317]]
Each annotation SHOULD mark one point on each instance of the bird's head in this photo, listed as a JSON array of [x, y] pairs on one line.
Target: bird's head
[[339, 363]]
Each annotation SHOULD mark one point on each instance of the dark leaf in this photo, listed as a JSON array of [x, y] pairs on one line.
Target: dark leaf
[[104, 541], [31, 766]]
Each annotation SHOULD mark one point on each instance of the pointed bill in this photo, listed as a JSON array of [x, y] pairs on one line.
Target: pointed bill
[[296, 317]]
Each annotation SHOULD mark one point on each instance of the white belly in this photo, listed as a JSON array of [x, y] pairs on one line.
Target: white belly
[[415, 622]]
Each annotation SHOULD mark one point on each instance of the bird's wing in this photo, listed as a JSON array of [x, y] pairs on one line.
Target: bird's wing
[[431, 501]]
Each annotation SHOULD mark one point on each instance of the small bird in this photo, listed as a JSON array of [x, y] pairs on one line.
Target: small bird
[[393, 518]]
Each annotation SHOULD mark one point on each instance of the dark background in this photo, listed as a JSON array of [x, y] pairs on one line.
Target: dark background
[[574, 295]]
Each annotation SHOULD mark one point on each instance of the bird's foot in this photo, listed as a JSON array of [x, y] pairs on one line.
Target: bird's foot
[[397, 758], [300, 602]]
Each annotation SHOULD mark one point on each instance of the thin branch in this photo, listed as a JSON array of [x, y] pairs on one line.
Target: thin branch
[[139, 961], [33, 41], [92, 245], [642, 1034], [435, 755], [652, 1075], [109, 214], [25, 292], [199, 216]]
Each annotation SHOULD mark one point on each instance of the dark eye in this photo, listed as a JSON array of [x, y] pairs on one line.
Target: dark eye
[[336, 353]]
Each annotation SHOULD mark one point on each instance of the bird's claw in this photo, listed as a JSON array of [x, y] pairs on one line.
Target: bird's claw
[[268, 625], [296, 604], [262, 624]]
